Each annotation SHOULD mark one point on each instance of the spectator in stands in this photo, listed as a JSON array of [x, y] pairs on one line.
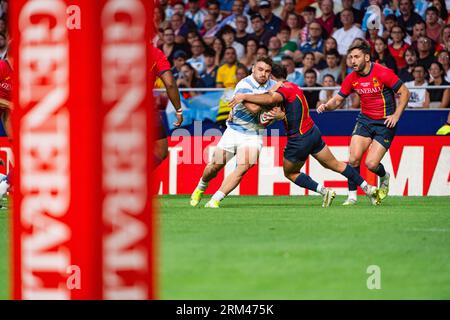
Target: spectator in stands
[[442, 10], [181, 26], [309, 16], [228, 34], [272, 22], [192, 35], [287, 47], [406, 74], [179, 60], [288, 8], [345, 35], [197, 61], [325, 95], [242, 35], [210, 74], [438, 97], [443, 58], [419, 29], [419, 98], [408, 17], [371, 36], [250, 53], [398, 46], [294, 76], [275, 49], [167, 8], [315, 42], [226, 74], [433, 26], [312, 96], [238, 10], [188, 78], [195, 13], [357, 14], [241, 73], [293, 22], [169, 47], [426, 52], [309, 61], [219, 48], [445, 38], [213, 8], [332, 59], [261, 34], [389, 22], [262, 51], [346, 68], [328, 18], [210, 26], [4, 25], [330, 44], [382, 54], [276, 7]]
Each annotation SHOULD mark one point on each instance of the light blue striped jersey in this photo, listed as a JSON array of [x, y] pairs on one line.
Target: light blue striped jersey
[[243, 120]]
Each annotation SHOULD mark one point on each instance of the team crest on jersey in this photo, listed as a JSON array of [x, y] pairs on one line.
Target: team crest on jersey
[[375, 82], [355, 83]]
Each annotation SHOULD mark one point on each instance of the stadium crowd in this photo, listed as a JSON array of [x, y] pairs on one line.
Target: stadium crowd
[[214, 43]]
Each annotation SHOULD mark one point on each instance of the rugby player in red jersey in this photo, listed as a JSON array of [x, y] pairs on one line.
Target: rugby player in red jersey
[[375, 126], [161, 69], [5, 110], [304, 138]]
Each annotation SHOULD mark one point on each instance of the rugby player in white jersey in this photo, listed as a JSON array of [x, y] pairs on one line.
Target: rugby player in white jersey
[[242, 138]]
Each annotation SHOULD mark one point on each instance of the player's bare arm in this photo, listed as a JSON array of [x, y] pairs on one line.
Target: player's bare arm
[[270, 98], [332, 104], [391, 121], [173, 94]]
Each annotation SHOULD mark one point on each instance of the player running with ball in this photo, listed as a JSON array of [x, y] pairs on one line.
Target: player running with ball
[[375, 126], [304, 138]]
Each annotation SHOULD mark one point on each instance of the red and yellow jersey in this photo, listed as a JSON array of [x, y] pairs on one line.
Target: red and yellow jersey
[[296, 108], [376, 90], [159, 65], [5, 81]]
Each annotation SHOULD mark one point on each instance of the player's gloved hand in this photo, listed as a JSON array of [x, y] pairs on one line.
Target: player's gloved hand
[[238, 98], [179, 119], [391, 121], [321, 108]]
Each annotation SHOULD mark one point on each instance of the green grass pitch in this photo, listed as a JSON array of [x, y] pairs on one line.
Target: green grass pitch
[[291, 248]]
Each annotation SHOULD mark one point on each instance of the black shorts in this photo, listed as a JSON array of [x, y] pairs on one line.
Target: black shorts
[[161, 132], [300, 147], [374, 129]]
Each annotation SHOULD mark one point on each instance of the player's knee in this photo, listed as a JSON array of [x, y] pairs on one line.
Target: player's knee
[[290, 175], [371, 164], [354, 162]]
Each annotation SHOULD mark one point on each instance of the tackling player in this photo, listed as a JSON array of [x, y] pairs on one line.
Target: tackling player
[[5, 110], [375, 126], [242, 138], [161, 69], [304, 138]]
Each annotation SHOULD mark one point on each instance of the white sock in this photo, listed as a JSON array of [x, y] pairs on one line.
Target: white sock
[[365, 187], [202, 185], [352, 194], [321, 189], [4, 186], [218, 196]]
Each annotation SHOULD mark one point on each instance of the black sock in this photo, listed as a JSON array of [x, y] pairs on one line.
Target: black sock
[[306, 182], [352, 176], [380, 170], [352, 186]]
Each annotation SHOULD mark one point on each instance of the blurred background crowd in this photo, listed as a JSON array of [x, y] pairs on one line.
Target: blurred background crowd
[[214, 43]]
